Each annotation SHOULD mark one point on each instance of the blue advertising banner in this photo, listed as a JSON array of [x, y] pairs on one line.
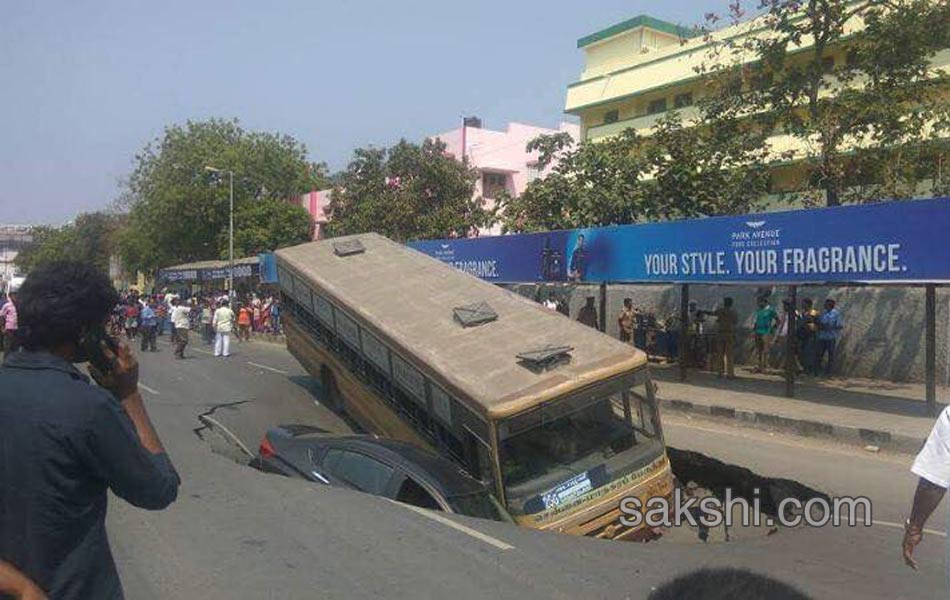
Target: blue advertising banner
[[193, 275], [885, 242], [268, 267]]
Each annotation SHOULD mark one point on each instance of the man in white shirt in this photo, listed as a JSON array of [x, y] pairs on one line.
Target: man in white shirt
[[223, 323], [932, 466], [180, 322], [171, 323]]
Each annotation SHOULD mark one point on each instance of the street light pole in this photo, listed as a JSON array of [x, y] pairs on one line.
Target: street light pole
[[230, 225], [231, 234]]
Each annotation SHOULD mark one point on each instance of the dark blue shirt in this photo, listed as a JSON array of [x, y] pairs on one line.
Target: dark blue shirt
[[63, 443], [579, 262]]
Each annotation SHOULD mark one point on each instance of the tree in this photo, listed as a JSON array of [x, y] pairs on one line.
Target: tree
[[714, 167], [179, 212], [853, 97], [270, 224], [407, 192], [590, 184], [679, 170], [90, 239]]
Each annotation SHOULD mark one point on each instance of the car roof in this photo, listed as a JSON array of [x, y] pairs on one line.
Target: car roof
[[440, 473]]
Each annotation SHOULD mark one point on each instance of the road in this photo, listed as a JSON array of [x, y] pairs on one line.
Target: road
[[237, 533]]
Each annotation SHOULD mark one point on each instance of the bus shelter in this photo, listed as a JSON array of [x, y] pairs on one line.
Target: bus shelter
[[899, 243], [249, 272]]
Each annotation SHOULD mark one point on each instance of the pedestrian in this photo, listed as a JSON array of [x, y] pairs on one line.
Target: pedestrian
[[170, 305], [696, 346], [207, 331], [275, 316], [829, 330], [8, 317], [194, 315], [223, 322], [149, 325], [779, 342], [765, 320], [161, 316], [551, 302], [627, 321], [808, 336], [588, 314], [244, 323], [265, 315], [932, 468], [257, 316], [67, 443], [179, 316], [131, 318], [726, 320]]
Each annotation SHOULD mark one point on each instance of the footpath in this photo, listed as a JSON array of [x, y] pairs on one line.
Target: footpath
[[864, 412]]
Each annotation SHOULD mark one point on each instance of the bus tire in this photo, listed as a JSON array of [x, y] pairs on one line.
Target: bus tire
[[332, 397]]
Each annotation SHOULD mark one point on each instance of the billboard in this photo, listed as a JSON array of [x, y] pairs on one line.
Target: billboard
[[873, 243], [218, 271]]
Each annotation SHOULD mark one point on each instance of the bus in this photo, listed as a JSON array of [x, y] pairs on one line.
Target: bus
[[560, 420]]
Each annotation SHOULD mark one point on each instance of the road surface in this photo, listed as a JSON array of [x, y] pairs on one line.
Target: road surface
[[237, 533]]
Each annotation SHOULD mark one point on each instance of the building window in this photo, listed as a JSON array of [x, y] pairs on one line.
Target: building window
[[493, 184], [828, 64], [656, 106], [533, 171], [683, 100], [611, 116]]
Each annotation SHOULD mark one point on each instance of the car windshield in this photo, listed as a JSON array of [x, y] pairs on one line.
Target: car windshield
[[481, 504], [561, 459]]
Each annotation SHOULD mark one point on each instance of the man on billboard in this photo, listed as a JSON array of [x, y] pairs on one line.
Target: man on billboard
[[578, 267]]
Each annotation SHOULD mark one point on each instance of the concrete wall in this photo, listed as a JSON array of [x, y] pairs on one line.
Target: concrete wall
[[883, 335]]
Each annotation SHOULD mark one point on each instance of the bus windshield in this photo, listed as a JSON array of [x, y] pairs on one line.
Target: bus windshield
[[596, 443]]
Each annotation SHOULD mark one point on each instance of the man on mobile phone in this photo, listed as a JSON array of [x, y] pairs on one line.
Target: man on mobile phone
[[65, 441]]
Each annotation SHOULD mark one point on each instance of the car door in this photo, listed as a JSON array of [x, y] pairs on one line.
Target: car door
[[355, 469]]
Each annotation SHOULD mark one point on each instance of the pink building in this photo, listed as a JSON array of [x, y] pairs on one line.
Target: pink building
[[500, 157], [316, 202]]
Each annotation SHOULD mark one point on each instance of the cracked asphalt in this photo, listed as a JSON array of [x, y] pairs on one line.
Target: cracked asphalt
[[237, 533]]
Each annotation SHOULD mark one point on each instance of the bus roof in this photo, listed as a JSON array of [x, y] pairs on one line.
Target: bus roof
[[407, 298]]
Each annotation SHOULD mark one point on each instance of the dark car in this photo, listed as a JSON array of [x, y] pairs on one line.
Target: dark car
[[383, 467]]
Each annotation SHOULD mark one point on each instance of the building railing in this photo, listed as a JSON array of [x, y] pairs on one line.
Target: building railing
[[641, 123]]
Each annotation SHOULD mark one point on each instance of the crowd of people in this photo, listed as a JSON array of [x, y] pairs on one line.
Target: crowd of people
[[814, 338], [212, 316]]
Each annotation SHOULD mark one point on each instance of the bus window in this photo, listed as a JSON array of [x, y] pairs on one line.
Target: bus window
[[602, 441]]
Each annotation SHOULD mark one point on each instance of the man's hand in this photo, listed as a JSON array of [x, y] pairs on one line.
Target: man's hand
[[31, 592], [123, 378], [912, 536], [18, 585]]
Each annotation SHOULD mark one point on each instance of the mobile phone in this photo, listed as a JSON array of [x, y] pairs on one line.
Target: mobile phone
[[91, 344]]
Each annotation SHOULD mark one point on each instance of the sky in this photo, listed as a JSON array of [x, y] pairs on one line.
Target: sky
[[85, 84]]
